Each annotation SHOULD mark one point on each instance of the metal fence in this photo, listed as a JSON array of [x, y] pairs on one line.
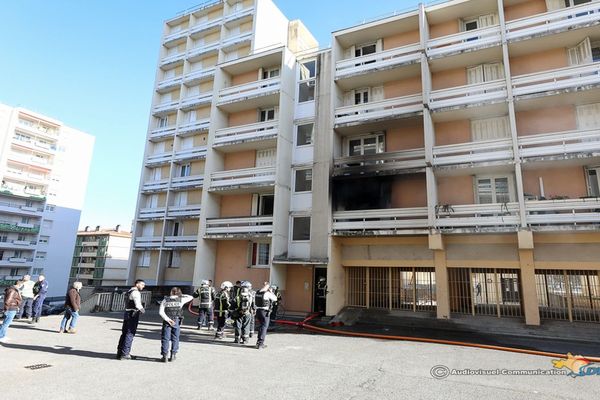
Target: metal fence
[[393, 288], [568, 295], [111, 301], [485, 291]]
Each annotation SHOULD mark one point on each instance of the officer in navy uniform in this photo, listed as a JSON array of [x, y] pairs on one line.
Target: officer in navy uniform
[[206, 294], [133, 308], [222, 305], [241, 315], [263, 300], [171, 311]]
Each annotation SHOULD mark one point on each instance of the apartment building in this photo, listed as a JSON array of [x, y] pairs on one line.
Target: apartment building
[[101, 257], [443, 161], [44, 166]]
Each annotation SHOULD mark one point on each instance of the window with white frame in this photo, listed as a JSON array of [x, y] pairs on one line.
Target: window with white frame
[[304, 134], [185, 170], [268, 73], [470, 24], [307, 81], [303, 180], [44, 239], [494, 189], [490, 128], [300, 228], [263, 204], [38, 271], [485, 73], [40, 255], [267, 114], [173, 259], [144, 259], [365, 49], [593, 181], [259, 254], [365, 145], [180, 199], [162, 122], [50, 207]]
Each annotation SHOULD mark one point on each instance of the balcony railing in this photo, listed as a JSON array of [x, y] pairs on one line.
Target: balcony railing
[[165, 131], [39, 129], [152, 213], [552, 21], [21, 209], [376, 110], [239, 14], [557, 79], [8, 226], [236, 39], [468, 94], [253, 89], [195, 126], [381, 60], [187, 181], [181, 241], [242, 177], [155, 186], [203, 49], [262, 225], [172, 59], [18, 244], [30, 159], [175, 35], [473, 152], [541, 213], [353, 165], [35, 195], [184, 211], [16, 261], [195, 153], [560, 143], [477, 216], [170, 82], [166, 107], [148, 241], [250, 132], [200, 74], [464, 41], [376, 222], [35, 145], [189, 102], [205, 25], [161, 158]]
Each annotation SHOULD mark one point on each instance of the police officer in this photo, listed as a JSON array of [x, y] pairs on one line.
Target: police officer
[[222, 305], [133, 308], [241, 315], [206, 294], [263, 299], [40, 291], [171, 311]]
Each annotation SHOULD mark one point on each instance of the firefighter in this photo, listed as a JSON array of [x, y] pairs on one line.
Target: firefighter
[[206, 295], [264, 300], [275, 290], [222, 305], [242, 312], [171, 311]]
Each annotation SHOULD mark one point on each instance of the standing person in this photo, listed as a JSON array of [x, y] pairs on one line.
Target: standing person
[[131, 318], [251, 325], [40, 290], [171, 311], [27, 296], [222, 305], [321, 295], [275, 307], [12, 302], [241, 315], [72, 306], [264, 300], [206, 295]]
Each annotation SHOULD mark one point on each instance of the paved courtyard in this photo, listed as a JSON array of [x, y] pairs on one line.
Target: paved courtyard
[[294, 366]]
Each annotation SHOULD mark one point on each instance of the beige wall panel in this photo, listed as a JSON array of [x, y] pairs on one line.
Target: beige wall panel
[[162, 200], [377, 252], [449, 78], [243, 118], [409, 191], [194, 197], [496, 252], [240, 79], [405, 137], [402, 87], [444, 28], [526, 9], [566, 181], [203, 112], [200, 140], [546, 120], [543, 61], [401, 39], [297, 297], [148, 273], [236, 206], [165, 171], [183, 273], [232, 264], [455, 190], [197, 167], [190, 227], [239, 160], [452, 132], [575, 252]]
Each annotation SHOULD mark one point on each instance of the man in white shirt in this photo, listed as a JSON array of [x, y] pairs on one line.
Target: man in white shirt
[[263, 300], [27, 296], [171, 311]]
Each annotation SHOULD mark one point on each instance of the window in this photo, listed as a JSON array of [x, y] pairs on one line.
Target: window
[[593, 181], [44, 239], [20, 237], [3, 239], [173, 259], [494, 189], [485, 73], [40, 256], [303, 181], [365, 49], [304, 135], [162, 122], [308, 70], [268, 114], [18, 254], [361, 96], [307, 81], [306, 91], [180, 199], [50, 207], [38, 271], [260, 254], [24, 220], [185, 170], [582, 53], [300, 228], [144, 259], [176, 229], [490, 128], [263, 204], [14, 271], [365, 145], [270, 73]]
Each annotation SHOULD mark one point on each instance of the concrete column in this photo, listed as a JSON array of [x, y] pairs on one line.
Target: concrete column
[[336, 278], [431, 184], [528, 294], [441, 284]]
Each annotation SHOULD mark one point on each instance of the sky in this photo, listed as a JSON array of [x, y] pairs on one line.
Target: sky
[[92, 64]]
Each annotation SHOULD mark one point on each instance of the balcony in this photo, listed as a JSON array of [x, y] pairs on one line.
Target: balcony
[[203, 49], [246, 133], [194, 101], [474, 152], [158, 159], [382, 60], [260, 88], [478, 217], [570, 213], [35, 145], [380, 164], [163, 132], [191, 211], [394, 221], [194, 126], [169, 83], [151, 213], [39, 129], [88, 254], [560, 144], [26, 177], [172, 59], [16, 262], [200, 75], [205, 25], [237, 39], [378, 110], [195, 153], [553, 22], [21, 209], [9, 226], [145, 242], [30, 159], [239, 227], [181, 242], [176, 35], [240, 179], [239, 14], [155, 186], [90, 243], [549, 82], [187, 182], [18, 244], [167, 107], [464, 41], [468, 95], [35, 195]]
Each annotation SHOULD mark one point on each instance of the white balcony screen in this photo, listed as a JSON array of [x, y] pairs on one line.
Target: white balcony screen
[[582, 53], [490, 128]]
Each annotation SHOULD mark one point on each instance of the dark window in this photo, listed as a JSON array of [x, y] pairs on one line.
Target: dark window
[[301, 228], [303, 180], [265, 206], [304, 135], [306, 91]]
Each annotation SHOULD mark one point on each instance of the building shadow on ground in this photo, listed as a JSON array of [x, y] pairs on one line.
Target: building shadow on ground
[[70, 351]]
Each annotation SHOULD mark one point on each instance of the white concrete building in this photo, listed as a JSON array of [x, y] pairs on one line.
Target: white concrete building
[[44, 167]]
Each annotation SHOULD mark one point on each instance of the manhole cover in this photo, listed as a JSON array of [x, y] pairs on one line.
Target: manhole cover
[[38, 366]]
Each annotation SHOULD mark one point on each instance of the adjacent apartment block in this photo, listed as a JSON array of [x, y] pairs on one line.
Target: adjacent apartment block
[[101, 257], [44, 167], [443, 161]]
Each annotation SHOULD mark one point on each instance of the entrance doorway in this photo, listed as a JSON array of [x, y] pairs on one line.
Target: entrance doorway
[[320, 290]]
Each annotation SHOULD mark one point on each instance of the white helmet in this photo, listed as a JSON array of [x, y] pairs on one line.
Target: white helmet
[[226, 285], [246, 284], [204, 282]]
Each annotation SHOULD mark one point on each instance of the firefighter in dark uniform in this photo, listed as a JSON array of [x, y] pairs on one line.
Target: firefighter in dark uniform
[[242, 312], [133, 308], [321, 295], [277, 293], [206, 295], [222, 305], [171, 311], [248, 284], [263, 300]]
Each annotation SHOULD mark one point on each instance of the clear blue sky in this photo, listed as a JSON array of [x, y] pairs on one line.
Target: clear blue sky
[[91, 64]]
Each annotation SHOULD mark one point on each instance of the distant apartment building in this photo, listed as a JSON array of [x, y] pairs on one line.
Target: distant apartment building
[[44, 167], [101, 257], [444, 161]]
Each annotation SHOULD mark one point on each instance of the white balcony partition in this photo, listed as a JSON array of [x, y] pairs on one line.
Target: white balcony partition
[[205, 25], [166, 107], [189, 102], [468, 94], [155, 185], [380, 60], [463, 41], [557, 79], [158, 158], [236, 134], [570, 211], [392, 219], [405, 159], [200, 74], [473, 152], [243, 177], [552, 21], [181, 241], [152, 213], [477, 215], [375, 110], [194, 126], [190, 154], [239, 14], [203, 49], [560, 143], [162, 132], [240, 226], [170, 82], [187, 181], [184, 211], [253, 89], [148, 241]]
